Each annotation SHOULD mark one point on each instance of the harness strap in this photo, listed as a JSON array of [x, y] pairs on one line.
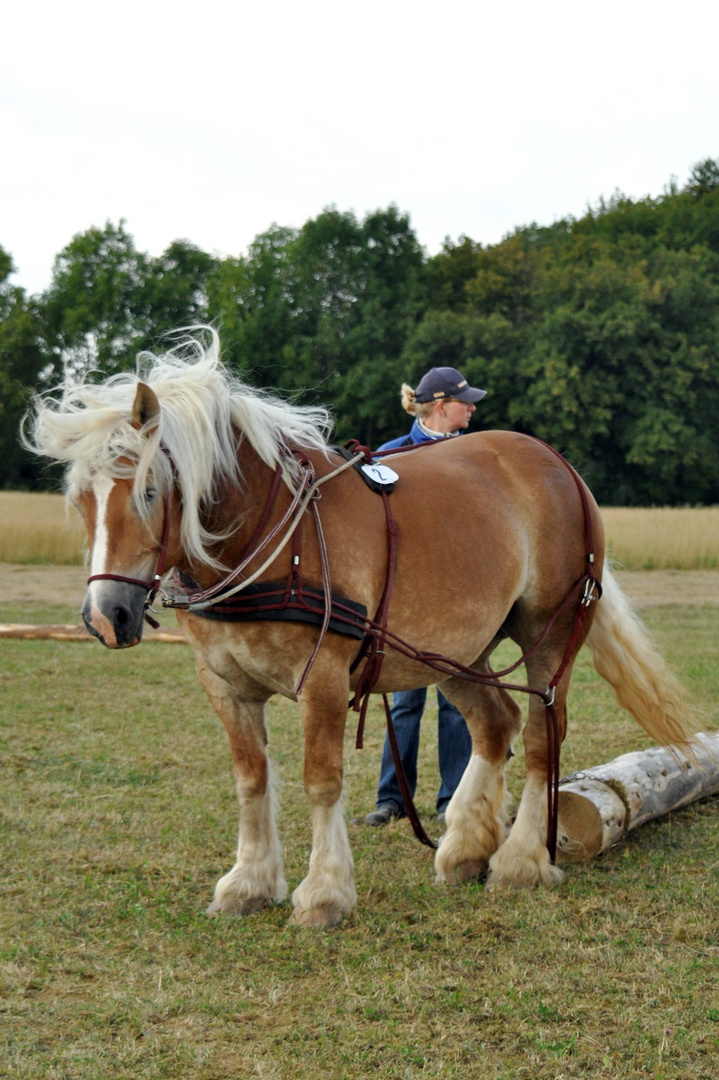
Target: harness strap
[[409, 806], [376, 653], [327, 588]]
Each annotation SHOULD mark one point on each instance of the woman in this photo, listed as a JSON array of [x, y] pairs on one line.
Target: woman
[[442, 405]]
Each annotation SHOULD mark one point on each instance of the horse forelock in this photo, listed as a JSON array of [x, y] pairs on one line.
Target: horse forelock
[[204, 412]]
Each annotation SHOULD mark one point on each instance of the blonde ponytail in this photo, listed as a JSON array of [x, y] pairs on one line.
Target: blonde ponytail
[[408, 403], [422, 409]]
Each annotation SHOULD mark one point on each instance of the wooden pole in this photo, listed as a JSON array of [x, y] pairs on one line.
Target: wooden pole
[[599, 806], [65, 632]]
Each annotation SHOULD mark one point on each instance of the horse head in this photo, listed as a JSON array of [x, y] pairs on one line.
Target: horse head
[[128, 535]]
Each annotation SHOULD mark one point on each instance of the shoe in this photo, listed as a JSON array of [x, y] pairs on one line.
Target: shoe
[[384, 814], [441, 817]]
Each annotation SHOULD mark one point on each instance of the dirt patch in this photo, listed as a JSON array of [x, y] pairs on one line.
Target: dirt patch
[[664, 588], [646, 588], [49, 585]]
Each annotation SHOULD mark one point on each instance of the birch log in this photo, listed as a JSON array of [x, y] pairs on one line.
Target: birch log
[[65, 632], [599, 806]]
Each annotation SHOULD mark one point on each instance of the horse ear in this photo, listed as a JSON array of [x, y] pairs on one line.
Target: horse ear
[[145, 407]]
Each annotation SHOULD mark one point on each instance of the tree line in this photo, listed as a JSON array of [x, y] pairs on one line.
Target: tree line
[[598, 334]]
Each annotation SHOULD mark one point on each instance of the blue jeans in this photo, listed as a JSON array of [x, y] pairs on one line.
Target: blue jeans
[[454, 747]]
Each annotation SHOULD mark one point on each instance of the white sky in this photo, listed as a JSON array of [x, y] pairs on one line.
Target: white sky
[[210, 121]]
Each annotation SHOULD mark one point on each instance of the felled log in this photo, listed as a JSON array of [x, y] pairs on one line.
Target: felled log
[[599, 806], [65, 632]]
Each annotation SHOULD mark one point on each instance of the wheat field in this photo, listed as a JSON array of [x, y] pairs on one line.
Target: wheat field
[[40, 528], [663, 538]]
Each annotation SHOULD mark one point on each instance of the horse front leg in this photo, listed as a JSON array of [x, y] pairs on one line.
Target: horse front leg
[[328, 892], [476, 814], [257, 876]]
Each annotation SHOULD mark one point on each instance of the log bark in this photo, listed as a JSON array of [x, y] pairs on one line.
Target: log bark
[[599, 806], [65, 632]]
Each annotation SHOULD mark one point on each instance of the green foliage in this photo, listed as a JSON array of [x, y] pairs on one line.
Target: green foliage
[[606, 339], [21, 361], [599, 335], [88, 310], [323, 313], [108, 301]]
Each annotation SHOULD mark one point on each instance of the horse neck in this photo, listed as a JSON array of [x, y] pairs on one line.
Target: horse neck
[[237, 510]]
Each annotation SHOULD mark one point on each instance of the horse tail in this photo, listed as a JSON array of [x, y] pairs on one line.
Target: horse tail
[[625, 655]]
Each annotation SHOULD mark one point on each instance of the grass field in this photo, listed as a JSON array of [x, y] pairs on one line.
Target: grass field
[[118, 815]]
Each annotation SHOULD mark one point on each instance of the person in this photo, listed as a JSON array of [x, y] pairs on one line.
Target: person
[[442, 406]]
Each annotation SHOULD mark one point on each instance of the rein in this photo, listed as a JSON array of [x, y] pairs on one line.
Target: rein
[[202, 599], [306, 491]]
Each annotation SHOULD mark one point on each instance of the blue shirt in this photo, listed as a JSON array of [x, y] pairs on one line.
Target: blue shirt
[[416, 435]]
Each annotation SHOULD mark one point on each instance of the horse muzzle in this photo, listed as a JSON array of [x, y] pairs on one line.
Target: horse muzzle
[[113, 613]]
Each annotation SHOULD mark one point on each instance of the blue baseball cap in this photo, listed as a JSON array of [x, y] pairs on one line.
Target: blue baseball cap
[[446, 382]]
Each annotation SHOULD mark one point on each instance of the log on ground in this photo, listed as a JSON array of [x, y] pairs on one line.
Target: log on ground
[[70, 632], [599, 806]]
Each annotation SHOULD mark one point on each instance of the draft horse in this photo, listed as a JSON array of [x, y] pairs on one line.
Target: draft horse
[[182, 466]]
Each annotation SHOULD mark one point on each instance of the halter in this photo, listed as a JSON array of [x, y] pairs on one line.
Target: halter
[[151, 587]]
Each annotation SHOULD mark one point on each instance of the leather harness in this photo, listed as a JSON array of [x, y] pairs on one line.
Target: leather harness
[[294, 601]]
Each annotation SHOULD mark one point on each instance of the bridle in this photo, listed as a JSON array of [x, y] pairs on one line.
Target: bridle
[[151, 587]]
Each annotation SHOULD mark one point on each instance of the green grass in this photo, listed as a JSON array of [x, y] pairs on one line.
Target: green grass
[[118, 815]]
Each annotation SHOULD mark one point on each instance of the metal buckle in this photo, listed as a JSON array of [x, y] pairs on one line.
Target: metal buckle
[[588, 596]]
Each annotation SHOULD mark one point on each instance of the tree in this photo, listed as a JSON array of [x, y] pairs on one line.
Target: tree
[[107, 301], [704, 177], [21, 361], [173, 292], [323, 313], [251, 304], [90, 307]]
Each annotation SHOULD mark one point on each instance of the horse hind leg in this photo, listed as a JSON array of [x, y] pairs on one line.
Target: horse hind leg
[[257, 876], [524, 860], [476, 814]]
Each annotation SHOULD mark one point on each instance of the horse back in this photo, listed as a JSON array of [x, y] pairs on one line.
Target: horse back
[[483, 522]]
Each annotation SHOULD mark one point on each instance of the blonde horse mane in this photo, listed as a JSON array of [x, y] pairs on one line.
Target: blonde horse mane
[[204, 408]]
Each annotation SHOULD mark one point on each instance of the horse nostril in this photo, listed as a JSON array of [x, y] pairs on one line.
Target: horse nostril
[[125, 625], [121, 617]]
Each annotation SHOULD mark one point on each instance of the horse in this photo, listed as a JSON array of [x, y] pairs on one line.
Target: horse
[[189, 479]]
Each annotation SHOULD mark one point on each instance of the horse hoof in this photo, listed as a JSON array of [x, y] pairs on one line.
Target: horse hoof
[[319, 916], [496, 883], [465, 872], [241, 905], [525, 877]]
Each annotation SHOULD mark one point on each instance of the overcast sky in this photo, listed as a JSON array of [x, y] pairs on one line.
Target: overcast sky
[[210, 121]]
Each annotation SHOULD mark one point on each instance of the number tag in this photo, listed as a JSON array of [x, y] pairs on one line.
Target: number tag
[[381, 474]]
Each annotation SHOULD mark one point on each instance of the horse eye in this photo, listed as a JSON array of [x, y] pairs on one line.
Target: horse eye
[[150, 494]]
